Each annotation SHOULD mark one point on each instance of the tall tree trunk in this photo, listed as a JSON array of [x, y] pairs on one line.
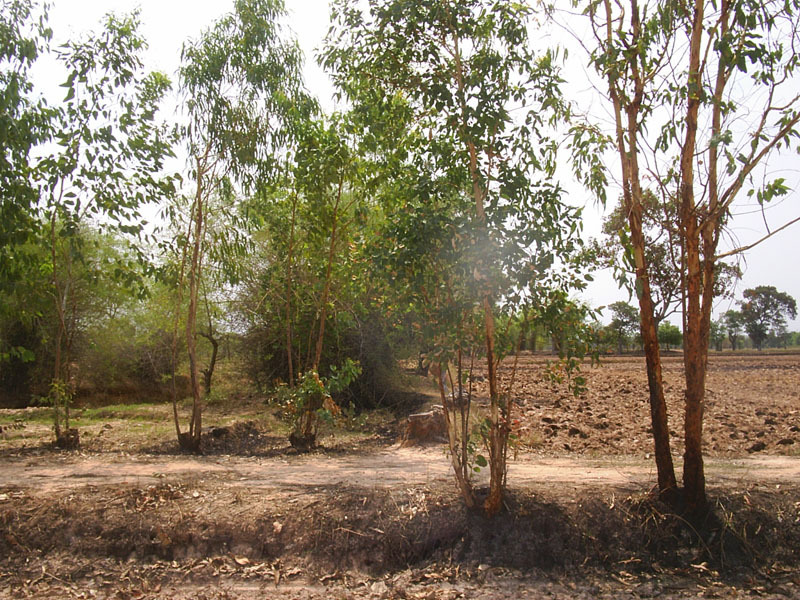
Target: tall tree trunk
[[60, 300], [498, 429], [304, 435], [61, 390], [208, 372], [175, 327], [695, 342], [289, 358], [667, 483], [323, 313], [195, 267], [632, 198], [695, 363]]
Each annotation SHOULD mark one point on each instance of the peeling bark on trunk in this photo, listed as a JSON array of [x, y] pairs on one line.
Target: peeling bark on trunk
[[667, 484], [632, 198], [695, 340]]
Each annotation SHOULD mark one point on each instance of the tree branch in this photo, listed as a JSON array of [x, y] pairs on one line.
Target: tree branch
[[756, 243]]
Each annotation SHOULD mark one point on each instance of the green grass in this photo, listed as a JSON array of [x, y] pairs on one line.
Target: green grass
[[43, 414], [86, 417], [130, 412]]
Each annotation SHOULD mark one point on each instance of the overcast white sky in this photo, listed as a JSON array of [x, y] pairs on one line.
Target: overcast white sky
[[166, 24]]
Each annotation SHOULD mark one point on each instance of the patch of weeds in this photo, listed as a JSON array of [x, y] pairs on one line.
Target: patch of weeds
[[530, 439]]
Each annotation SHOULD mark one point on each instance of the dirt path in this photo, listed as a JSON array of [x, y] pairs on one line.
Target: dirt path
[[382, 469], [165, 526]]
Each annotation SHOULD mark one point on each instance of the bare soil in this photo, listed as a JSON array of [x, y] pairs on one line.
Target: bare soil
[[752, 406], [130, 517]]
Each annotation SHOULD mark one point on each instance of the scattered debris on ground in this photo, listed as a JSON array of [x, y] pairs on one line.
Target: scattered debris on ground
[[217, 527]]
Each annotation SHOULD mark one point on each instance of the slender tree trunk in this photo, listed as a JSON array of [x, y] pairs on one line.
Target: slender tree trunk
[[459, 466], [498, 430], [695, 342], [667, 484], [328, 270], [305, 433], [60, 300], [61, 389], [632, 198], [195, 427], [175, 327], [208, 372], [289, 360], [695, 357]]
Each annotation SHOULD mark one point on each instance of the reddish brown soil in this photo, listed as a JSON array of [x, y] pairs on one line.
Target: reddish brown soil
[[372, 520], [752, 406]]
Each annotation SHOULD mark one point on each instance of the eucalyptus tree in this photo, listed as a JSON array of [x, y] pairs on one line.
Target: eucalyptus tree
[[103, 164], [242, 87], [24, 124], [703, 95], [307, 297], [464, 109], [24, 121], [326, 176]]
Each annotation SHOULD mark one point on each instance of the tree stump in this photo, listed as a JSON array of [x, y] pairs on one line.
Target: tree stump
[[69, 439], [189, 443], [425, 428], [303, 443]]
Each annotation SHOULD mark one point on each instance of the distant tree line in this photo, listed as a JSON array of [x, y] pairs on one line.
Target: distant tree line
[[761, 322]]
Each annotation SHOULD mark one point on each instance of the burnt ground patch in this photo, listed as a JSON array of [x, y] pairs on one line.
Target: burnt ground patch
[[592, 539]]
